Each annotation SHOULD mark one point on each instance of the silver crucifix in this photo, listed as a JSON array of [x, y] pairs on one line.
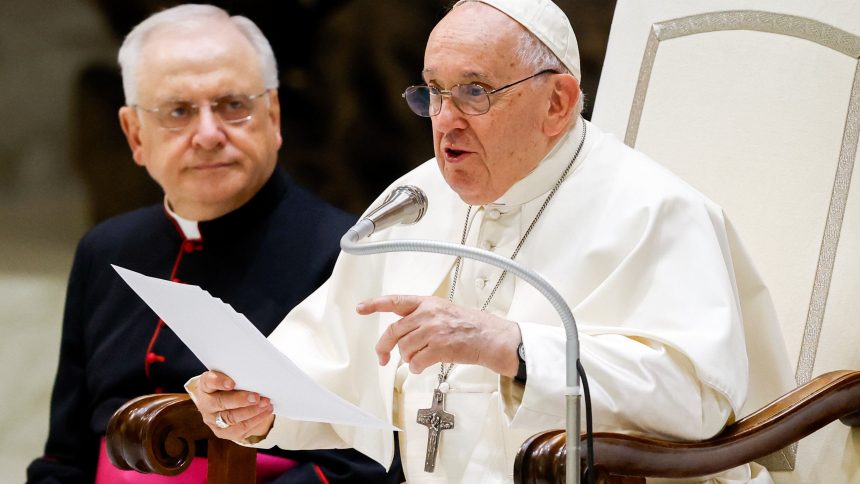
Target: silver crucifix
[[436, 419]]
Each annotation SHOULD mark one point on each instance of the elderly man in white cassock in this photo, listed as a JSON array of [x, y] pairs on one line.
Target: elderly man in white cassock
[[657, 280]]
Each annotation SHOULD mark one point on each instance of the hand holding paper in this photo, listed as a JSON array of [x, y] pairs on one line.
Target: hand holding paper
[[245, 414], [225, 341]]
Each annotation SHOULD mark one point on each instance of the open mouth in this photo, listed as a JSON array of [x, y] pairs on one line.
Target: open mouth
[[454, 155]]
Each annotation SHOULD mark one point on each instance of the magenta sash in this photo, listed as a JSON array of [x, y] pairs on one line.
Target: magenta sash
[[269, 468]]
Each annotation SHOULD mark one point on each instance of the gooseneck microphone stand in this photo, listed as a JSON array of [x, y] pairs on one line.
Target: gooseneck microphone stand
[[407, 205]]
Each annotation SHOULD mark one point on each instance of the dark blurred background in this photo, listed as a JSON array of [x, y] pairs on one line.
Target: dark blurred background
[[65, 165]]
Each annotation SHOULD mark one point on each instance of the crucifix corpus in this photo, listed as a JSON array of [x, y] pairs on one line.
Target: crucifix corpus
[[436, 419]]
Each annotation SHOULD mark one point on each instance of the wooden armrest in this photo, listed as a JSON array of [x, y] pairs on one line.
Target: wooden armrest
[[155, 434], [795, 415]]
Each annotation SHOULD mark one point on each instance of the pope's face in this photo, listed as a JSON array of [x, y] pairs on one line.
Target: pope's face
[[482, 156], [209, 167]]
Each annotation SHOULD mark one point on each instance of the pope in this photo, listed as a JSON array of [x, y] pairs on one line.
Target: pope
[[469, 361]]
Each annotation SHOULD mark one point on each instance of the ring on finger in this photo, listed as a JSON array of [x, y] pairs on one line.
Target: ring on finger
[[220, 422]]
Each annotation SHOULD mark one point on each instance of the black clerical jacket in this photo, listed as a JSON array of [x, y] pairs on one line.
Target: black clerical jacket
[[263, 259]]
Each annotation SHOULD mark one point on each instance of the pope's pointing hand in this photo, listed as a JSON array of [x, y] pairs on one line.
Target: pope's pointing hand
[[246, 414], [433, 330]]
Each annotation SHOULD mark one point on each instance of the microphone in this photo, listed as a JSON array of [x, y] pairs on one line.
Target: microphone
[[405, 205]]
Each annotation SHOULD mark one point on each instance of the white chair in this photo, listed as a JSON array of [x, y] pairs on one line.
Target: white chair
[[757, 104]]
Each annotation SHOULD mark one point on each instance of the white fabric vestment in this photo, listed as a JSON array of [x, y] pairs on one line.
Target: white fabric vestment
[[648, 267]]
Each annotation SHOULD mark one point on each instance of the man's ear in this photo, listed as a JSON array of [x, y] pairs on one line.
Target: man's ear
[[563, 98], [275, 114], [130, 122]]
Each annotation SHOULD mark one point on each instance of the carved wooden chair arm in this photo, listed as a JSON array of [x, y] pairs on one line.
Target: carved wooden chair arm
[[793, 416], [155, 434]]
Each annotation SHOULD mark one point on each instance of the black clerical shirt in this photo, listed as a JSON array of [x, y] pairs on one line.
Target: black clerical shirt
[[263, 259]]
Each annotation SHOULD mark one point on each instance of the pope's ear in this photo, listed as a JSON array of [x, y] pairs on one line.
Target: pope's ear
[[275, 113], [130, 122], [563, 99]]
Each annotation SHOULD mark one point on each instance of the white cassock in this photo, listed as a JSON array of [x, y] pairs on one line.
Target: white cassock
[[667, 302]]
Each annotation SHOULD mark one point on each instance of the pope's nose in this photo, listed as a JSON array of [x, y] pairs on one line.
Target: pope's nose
[[450, 117]]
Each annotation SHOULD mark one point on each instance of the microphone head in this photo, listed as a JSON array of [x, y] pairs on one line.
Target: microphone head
[[414, 201], [405, 205]]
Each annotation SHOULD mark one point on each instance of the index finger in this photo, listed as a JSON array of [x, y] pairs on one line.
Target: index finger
[[215, 381], [397, 304]]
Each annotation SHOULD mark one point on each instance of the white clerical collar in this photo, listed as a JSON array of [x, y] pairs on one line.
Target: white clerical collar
[[190, 229], [549, 170]]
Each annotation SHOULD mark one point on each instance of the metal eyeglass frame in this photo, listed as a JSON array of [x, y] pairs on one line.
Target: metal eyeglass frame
[[196, 110], [444, 92]]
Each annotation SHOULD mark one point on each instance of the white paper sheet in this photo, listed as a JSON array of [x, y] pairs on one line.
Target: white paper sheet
[[224, 340]]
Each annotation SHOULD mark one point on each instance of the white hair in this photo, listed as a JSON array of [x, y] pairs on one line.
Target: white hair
[[535, 54], [188, 16]]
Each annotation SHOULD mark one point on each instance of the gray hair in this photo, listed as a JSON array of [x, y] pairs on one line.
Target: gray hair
[[535, 54], [186, 16]]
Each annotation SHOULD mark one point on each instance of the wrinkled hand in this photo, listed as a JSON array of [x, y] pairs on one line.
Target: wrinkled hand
[[247, 413], [433, 330]]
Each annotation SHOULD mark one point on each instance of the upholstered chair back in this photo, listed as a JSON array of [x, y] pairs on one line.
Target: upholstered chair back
[[757, 104]]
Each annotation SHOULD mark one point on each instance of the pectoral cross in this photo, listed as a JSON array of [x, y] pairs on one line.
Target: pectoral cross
[[436, 419]]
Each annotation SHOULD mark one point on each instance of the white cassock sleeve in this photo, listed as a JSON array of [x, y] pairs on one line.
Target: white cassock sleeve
[[638, 386], [660, 329]]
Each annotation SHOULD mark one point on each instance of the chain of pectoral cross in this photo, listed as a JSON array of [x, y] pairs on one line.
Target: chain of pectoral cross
[[435, 418]]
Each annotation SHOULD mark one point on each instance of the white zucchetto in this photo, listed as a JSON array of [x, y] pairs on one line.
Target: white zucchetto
[[548, 23]]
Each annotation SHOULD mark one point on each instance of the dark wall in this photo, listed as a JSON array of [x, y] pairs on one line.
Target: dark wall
[[343, 65]]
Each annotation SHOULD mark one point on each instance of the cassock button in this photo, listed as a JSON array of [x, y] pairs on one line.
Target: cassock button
[[152, 358], [188, 246], [480, 283], [494, 214], [486, 246]]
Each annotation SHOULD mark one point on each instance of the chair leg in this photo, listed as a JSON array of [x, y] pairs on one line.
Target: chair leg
[[230, 463]]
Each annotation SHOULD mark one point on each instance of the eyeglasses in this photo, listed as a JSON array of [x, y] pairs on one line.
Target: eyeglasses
[[472, 99], [230, 108]]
